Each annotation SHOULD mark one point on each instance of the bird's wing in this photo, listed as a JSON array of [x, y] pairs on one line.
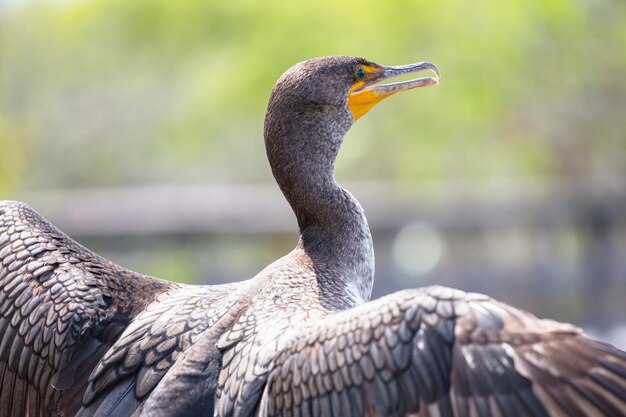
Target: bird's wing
[[61, 308], [444, 353], [155, 344]]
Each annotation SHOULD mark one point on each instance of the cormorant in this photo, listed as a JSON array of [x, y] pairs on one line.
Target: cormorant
[[82, 337]]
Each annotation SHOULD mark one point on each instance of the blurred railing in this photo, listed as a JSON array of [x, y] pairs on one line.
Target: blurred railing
[[247, 208]]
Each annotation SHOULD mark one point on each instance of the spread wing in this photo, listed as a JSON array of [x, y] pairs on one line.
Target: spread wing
[[444, 353], [61, 308]]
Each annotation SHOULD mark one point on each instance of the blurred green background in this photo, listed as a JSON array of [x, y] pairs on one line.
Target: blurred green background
[[136, 126]]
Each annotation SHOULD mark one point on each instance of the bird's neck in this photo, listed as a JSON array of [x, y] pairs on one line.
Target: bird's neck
[[334, 232], [336, 237]]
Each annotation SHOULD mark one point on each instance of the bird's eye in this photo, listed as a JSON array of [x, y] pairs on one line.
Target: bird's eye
[[360, 74]]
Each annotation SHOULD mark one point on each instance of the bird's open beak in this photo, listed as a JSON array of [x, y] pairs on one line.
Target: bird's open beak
[[365, 94]]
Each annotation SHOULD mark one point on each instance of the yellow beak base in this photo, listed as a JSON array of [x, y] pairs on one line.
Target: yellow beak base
[[367, 93], [361, 102]]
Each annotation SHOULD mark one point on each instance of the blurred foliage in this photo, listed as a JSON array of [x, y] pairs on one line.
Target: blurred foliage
[[13, 154], [105, 92]]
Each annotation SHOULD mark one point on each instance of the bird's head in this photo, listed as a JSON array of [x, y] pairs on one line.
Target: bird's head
[[314, 103], [336, 83]]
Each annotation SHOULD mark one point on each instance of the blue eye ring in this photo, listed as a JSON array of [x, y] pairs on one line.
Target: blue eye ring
[[360, 74]]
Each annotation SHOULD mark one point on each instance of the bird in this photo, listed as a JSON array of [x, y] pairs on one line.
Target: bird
[[83, 337]]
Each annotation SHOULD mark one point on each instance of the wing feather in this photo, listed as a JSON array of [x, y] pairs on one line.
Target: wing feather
[[159, 340], [58, 303], [442, 352]]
